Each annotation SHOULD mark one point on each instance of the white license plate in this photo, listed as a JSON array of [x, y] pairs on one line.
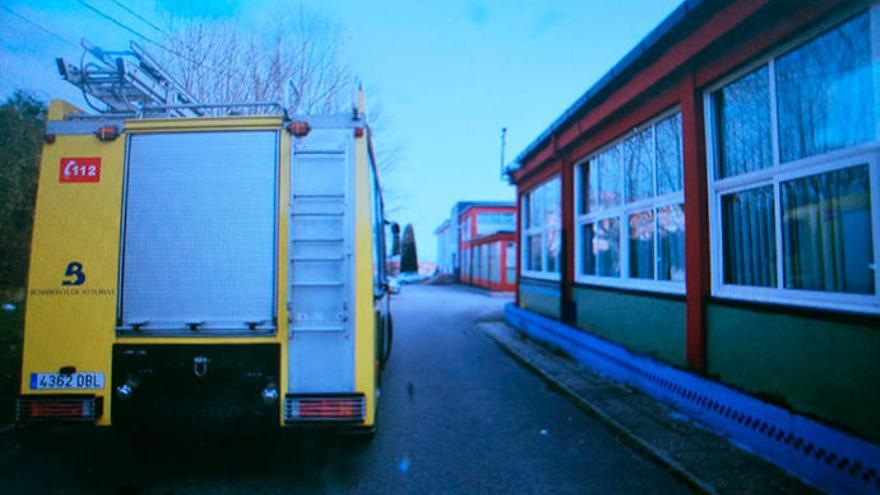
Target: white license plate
[[75, 381]]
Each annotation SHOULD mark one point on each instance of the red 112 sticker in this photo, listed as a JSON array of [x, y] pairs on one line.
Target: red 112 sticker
[[80, 170]]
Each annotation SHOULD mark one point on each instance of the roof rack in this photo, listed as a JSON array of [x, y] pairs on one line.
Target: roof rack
[[126, 82]]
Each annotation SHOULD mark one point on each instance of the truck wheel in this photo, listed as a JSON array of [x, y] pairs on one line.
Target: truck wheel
[[387, 342]]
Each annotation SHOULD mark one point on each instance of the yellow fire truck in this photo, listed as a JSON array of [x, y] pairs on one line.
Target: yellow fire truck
[[195, 269]]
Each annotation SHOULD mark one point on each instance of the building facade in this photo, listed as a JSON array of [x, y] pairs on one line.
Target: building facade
[[447, 247], [449, 233], [495, 262], [490, 261], [487, 233], [714, 203]]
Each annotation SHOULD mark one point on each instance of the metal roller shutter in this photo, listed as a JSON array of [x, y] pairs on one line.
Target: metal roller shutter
[[199, 232]]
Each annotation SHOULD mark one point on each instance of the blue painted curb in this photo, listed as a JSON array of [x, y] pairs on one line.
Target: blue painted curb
[[829, 458]]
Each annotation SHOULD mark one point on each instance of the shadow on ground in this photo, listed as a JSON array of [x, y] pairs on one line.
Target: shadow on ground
[[115, 463]]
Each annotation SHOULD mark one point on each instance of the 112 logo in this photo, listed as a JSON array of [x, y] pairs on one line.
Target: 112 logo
[[80, 169]]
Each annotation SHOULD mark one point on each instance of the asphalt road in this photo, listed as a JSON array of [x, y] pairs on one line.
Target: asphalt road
[[457, 416]]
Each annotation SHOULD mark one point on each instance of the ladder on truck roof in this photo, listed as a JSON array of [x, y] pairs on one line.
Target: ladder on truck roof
[[129, 81], [132, 83]]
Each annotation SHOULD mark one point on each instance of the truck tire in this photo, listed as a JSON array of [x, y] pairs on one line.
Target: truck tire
[[387, 341]]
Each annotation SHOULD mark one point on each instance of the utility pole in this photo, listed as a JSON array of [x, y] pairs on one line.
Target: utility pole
[[503, 145]]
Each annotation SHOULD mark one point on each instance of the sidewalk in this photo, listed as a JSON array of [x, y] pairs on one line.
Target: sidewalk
[[709, 463]]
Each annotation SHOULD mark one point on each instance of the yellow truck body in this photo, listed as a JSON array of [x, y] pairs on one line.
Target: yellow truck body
[[74, 329]]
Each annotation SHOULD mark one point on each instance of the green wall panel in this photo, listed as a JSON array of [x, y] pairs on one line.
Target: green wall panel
[[540, 297], [643, 323], [821, 367]]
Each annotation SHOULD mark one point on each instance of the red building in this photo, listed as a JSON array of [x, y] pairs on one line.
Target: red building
[[713, 205], [488, 246]]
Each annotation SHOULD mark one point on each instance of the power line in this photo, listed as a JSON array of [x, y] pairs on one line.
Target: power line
[[40, 27], [151, 41], [120, 24], [142, 18]]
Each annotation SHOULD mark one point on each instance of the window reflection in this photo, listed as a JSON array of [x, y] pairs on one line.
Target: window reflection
[[826, 232], [742, 118], [826, 92], [749, 242], [643, 172], [670, 243], [605, 180], [670, 177], [601, 248], [534, 254], [638, 152], [542, 229], [553, 222], [641, 245]]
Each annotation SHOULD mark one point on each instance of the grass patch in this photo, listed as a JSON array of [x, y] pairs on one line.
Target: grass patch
[[11, 325]]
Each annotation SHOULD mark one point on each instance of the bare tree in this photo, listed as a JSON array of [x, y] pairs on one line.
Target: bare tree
[[388, 154], [297, 60]]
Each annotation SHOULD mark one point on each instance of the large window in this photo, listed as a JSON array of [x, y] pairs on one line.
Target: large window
[[793, 155], [510, 263], [490, 223], [630, 217], [541, 228], [486, 260], [495, 261]]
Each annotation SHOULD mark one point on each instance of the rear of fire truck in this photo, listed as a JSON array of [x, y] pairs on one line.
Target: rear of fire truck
[[192, 268]]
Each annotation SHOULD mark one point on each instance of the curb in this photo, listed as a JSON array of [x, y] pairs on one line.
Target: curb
[[475, 289], [692, 480]]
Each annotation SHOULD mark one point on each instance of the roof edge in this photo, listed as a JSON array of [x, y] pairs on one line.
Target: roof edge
[[651, 41]]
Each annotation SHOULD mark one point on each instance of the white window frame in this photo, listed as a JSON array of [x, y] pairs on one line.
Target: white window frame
[[622, 213], [542, 230], [864, 153]]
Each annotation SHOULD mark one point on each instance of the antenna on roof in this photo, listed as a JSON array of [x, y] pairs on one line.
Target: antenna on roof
[[360, 109]]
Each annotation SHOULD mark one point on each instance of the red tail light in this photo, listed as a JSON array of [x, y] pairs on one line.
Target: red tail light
[[55, 409], [325, 408], [321, 409], [58, 408]]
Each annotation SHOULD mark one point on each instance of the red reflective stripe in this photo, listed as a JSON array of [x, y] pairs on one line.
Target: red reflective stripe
[[42, 409], [329, 409]]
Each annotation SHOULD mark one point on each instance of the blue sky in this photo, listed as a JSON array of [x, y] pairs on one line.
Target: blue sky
[[447, 74]]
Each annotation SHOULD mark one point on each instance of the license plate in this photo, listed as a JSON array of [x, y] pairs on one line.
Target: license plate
[[75, 381]]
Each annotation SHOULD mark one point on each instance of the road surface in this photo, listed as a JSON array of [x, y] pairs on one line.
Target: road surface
[[458, 416]]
